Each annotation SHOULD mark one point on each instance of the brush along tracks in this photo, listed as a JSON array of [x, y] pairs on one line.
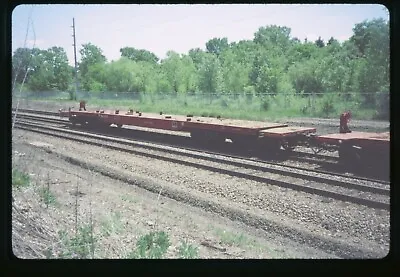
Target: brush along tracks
[[371, 194]]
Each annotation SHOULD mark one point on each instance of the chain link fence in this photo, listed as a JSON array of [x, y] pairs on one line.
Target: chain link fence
[[318, 104]]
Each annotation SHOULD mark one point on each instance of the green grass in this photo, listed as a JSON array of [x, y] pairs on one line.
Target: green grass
[[47, 196], [112, 225], [187, 251], [153, 245], [20, 179], [128, 198], [255, 108], [79, 246], [231, 239], [243, 241]]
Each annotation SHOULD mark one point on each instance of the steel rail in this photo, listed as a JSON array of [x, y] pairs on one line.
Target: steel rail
[[308, 187]]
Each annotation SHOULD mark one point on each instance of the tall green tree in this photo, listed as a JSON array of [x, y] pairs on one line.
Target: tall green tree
[[123, 76], [372, 40], [190, 77], [332, 41], [236, 74], [90, 55], [96, 78], [57, 58], [147, 76], [301, 52], [197, 55], [41, 74], [173, 69], [245, 52], [48, 69], [306, 77], [138, 55], [366, 31], [21, 61], [264, 73], [273, 62], [273, 36], [217, 45], [211, 76], [320, 42]]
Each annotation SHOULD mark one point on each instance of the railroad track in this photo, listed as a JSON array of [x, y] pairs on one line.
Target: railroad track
[[299, 155], [35, 112], [355, 190], [290, 159], [60, 122], [54, 121]]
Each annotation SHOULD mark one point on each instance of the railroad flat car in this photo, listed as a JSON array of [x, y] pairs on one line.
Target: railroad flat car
[[354, 148], [244, 133], [360, 148]]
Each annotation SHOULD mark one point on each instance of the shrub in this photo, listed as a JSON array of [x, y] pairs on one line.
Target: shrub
[[188, 251], [327, 107], [383, 106], [114, 225], [223, 103], [79, 246], [47, 196], [20, 179], [265, 104], [305, 109], [151, 246]]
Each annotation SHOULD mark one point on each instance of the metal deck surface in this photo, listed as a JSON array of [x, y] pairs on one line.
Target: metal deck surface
[[287, 131], [359, 136], [196, 119]]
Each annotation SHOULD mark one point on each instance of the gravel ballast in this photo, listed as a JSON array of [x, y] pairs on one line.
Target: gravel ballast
[[330, 219]]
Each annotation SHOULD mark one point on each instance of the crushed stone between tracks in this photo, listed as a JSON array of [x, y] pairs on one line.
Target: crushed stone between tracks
[[181, 219]]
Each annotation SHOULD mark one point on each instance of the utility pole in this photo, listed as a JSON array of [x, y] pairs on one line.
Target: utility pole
[[76, 64]]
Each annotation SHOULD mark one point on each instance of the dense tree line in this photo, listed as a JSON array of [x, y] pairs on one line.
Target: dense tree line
[[273, 62]]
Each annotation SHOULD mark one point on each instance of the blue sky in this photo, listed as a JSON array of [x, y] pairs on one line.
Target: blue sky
[[160, 28]]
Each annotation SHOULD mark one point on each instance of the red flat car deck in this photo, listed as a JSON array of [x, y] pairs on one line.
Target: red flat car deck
[[359, 138], [188, 124], [287, 131], [336, 138]]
